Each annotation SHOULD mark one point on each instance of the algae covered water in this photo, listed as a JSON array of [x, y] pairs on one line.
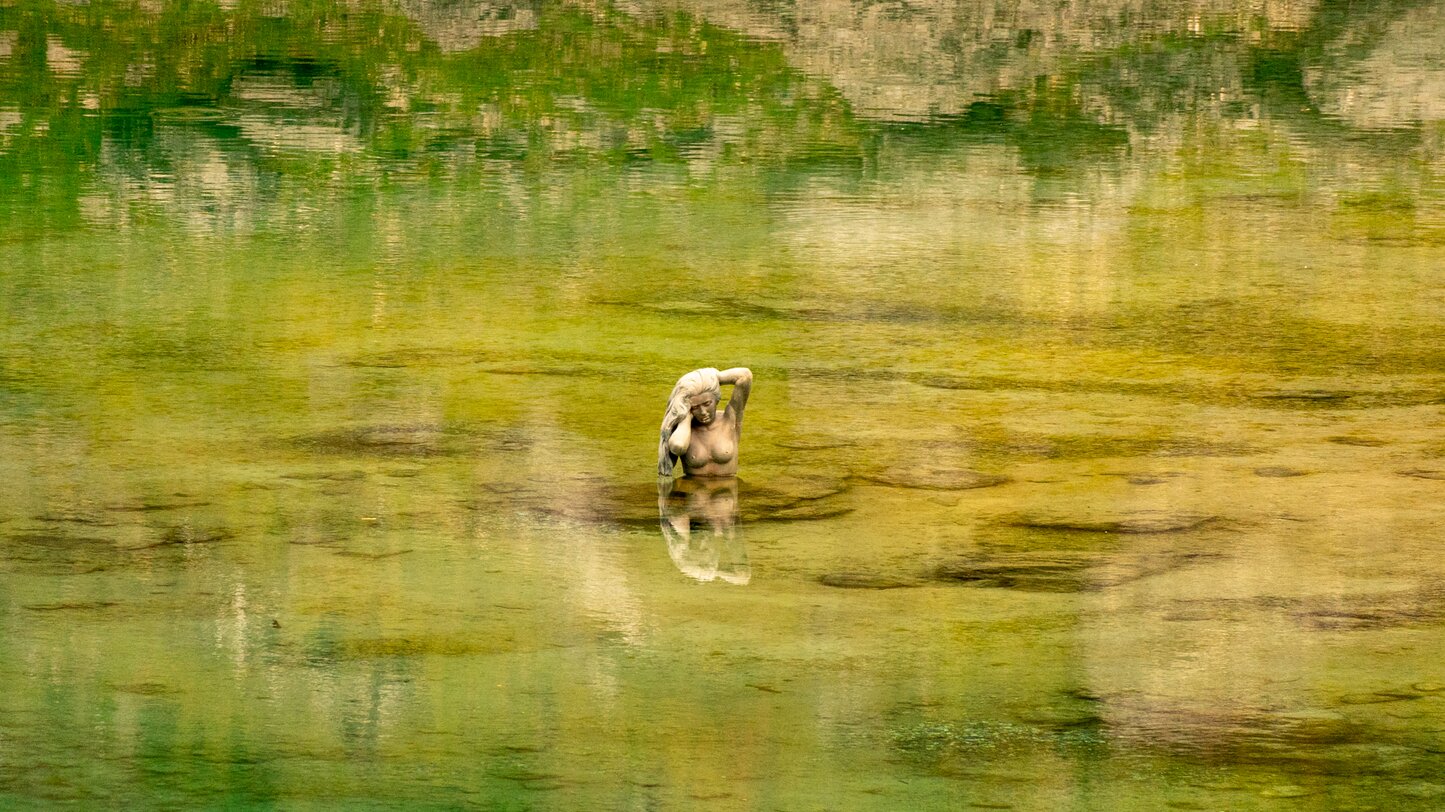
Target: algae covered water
[[1094, 459]]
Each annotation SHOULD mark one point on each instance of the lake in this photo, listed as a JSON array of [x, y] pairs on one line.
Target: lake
[[1095, 458]]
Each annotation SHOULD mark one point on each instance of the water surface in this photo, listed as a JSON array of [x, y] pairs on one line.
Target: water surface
[[1094, 460]]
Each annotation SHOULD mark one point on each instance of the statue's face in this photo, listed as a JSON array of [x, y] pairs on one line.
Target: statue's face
[[704, 408]]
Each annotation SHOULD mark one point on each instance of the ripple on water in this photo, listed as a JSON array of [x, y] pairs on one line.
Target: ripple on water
[[599, 501]]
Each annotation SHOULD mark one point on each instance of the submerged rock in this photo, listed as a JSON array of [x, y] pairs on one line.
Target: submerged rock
[[933, 478]]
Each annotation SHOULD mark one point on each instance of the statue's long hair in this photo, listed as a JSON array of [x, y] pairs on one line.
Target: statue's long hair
[[697, 382]]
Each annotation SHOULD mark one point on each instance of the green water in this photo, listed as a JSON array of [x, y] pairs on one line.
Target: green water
[[1094, 460]]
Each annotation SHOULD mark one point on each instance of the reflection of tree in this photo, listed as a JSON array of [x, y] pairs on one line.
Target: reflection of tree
[[204, 109], [1383, 71]]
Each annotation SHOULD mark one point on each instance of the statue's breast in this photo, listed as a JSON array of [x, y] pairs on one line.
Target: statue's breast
[[715, 446]]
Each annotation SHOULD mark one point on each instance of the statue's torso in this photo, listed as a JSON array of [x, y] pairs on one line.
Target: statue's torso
[[713, 450]]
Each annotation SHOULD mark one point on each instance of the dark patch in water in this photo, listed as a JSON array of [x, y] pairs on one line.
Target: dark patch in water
[[60, 542], [1423, 473], [372, 556], [1060, 571], [1278, 472], [413, 440], [185, 535], [1027, 576], [1362, 442], [863, 580], [404, 358], [1060, 716], [1378, 697], [1422, 606], [1311, 741], [1137, 524], [145, 689], [54, 553], [933, 478], [67, 517], [382, 647], [1306, 396], [602, 502], [330, 476], [155, 505], [71, 606]]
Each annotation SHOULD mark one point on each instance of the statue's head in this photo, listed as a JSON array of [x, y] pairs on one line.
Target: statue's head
[[703, 407]]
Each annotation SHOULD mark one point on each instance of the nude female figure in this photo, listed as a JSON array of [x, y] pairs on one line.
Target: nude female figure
[[692, 429]]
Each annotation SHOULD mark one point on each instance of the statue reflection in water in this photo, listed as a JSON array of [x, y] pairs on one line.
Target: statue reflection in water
[[699, 519], [699, 513]]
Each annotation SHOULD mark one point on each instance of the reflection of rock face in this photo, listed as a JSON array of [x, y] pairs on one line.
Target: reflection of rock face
[[911, 60], [699, 519], [1400, 83], [461, 25]]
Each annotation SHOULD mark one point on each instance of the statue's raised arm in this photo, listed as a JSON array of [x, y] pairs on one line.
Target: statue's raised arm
[[693, 432]]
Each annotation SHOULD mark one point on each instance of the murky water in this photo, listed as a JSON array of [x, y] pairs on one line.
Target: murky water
[[1094, 461]]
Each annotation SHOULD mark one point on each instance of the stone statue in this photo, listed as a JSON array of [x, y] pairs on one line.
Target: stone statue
[[693, 431]]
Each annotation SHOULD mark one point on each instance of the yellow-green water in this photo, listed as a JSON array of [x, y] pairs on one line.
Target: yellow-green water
[[334, 339]]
